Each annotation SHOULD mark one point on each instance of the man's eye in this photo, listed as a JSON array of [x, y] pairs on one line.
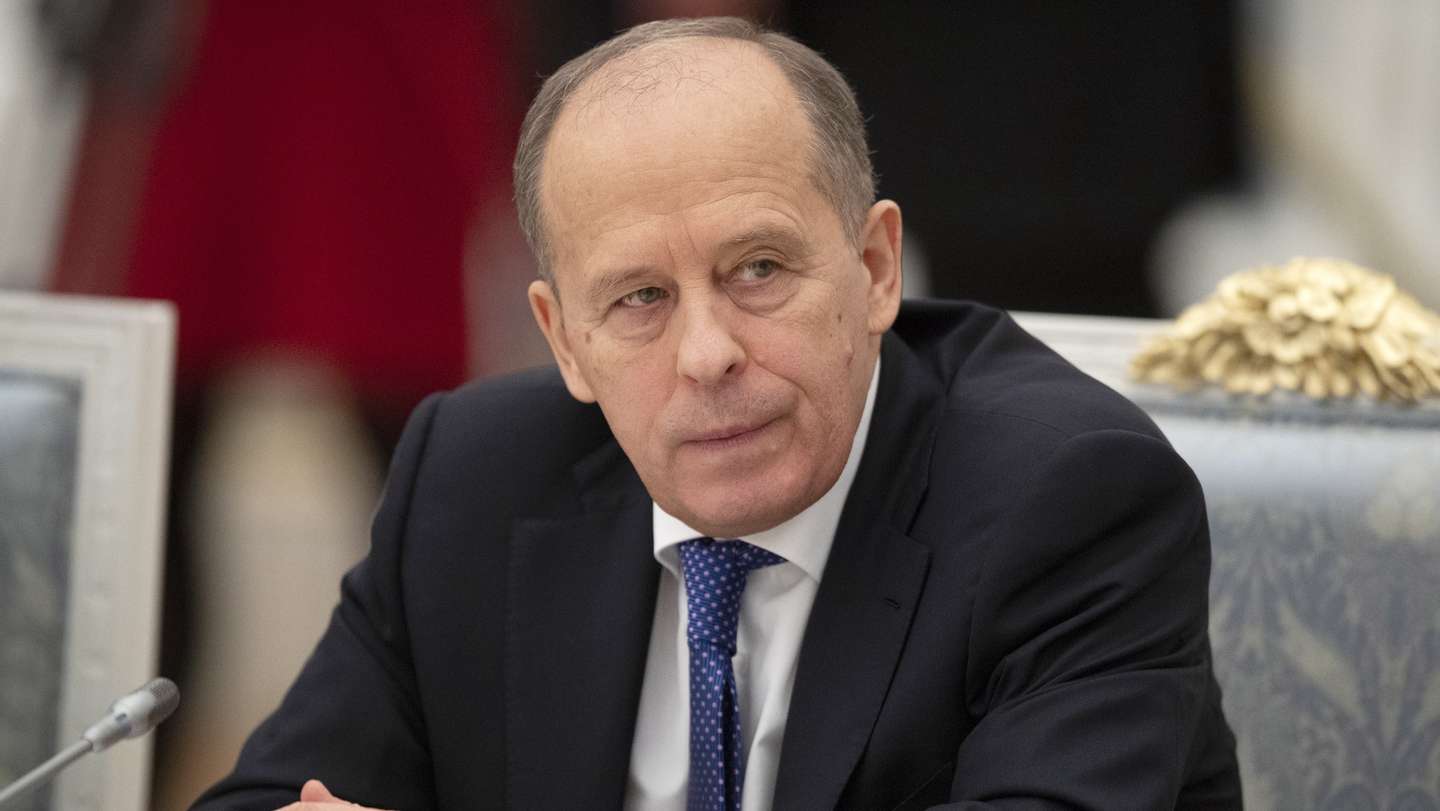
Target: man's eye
[[643, 297], [757, 269]]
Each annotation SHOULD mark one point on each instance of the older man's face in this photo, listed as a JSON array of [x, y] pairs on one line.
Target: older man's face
[[708, 297]]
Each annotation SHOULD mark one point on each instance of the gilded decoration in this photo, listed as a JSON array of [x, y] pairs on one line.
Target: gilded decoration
[[1324, 327]]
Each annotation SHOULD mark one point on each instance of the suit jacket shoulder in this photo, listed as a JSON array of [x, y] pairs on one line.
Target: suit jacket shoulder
[[1062, 612], [515, 439], [989, 365]]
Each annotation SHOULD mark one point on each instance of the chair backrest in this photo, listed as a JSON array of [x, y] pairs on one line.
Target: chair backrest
[[1325, 586], [85, 392]]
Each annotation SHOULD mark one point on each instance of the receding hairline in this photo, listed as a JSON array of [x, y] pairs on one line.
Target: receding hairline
[[838, 164], [631, 66], [629, 75]]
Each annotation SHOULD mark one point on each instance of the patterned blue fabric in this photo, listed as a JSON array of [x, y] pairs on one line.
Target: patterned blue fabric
[[1324, 609], [1324, 605], [715, 573]]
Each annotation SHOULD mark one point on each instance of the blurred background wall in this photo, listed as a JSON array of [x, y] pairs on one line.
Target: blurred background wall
[[1344, 142], [42, 101], [323, 189]]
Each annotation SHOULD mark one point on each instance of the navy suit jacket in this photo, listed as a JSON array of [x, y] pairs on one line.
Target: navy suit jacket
[[1013, 615]]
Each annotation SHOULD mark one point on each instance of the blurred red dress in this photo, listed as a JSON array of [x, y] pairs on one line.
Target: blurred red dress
[[312, 183]]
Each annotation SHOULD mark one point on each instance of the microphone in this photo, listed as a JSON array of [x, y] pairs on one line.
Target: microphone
[[135, 714], [130, 716]]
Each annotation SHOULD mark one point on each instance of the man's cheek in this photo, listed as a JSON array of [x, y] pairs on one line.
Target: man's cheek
[[807, 309], [615, 368], [803, 351]]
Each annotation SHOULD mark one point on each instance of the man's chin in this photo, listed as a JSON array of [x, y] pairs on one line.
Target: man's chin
[[738, 514]]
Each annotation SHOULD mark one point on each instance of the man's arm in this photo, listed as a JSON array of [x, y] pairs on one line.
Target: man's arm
[[352, 719], [1090, 664]]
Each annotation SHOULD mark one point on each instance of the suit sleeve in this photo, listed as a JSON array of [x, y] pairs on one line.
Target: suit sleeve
[[352, 719], [1089, 662]]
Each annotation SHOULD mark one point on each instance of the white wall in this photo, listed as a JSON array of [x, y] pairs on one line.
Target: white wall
[[1344, 98], [41, 108]]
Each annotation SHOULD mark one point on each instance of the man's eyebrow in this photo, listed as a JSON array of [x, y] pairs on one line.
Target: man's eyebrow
[[786, 239], [610, 282]]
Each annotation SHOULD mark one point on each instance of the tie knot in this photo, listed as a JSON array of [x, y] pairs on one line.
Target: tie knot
[[715, 573]]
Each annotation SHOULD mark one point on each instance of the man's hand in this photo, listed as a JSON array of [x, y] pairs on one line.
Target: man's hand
[[314, 797]]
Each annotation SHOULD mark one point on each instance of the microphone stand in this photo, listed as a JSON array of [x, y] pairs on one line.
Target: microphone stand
[[130, 716], [45, 770]]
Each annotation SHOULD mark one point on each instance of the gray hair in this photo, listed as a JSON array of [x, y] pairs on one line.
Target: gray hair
[[840, 166]]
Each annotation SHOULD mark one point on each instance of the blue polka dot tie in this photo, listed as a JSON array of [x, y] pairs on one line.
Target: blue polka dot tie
[[714, 580]]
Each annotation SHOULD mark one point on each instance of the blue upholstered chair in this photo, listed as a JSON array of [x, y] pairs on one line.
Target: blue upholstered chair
[[1325, 587]]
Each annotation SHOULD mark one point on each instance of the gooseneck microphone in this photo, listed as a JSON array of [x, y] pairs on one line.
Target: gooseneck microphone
[[134, 715], [130, 716]]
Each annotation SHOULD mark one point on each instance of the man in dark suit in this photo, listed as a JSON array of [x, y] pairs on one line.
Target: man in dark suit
[[766, 537]]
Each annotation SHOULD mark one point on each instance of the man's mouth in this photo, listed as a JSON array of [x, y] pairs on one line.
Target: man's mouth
[[730, 435]]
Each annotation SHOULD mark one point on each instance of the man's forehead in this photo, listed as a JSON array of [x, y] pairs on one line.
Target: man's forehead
[[680, 69], [672, 100], [684, 120]]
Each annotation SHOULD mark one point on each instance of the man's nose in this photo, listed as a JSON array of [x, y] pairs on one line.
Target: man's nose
[[708, 348]]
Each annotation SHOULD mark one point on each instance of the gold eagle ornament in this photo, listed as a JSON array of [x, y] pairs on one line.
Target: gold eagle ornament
[[1325, 327]]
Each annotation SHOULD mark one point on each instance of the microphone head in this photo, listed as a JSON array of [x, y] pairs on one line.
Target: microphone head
[[167, 698], [135, 714]]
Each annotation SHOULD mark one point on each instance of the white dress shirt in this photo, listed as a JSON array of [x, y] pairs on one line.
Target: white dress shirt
[[773, 613]]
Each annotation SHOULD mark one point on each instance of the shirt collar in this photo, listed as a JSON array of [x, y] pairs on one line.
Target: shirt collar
[[804, 540]]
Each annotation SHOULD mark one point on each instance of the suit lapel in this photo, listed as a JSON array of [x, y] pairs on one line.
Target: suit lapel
[[576, 646], [867, 596]]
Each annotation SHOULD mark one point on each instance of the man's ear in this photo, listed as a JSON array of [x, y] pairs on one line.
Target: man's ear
[[545, 305], [880, 255]]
